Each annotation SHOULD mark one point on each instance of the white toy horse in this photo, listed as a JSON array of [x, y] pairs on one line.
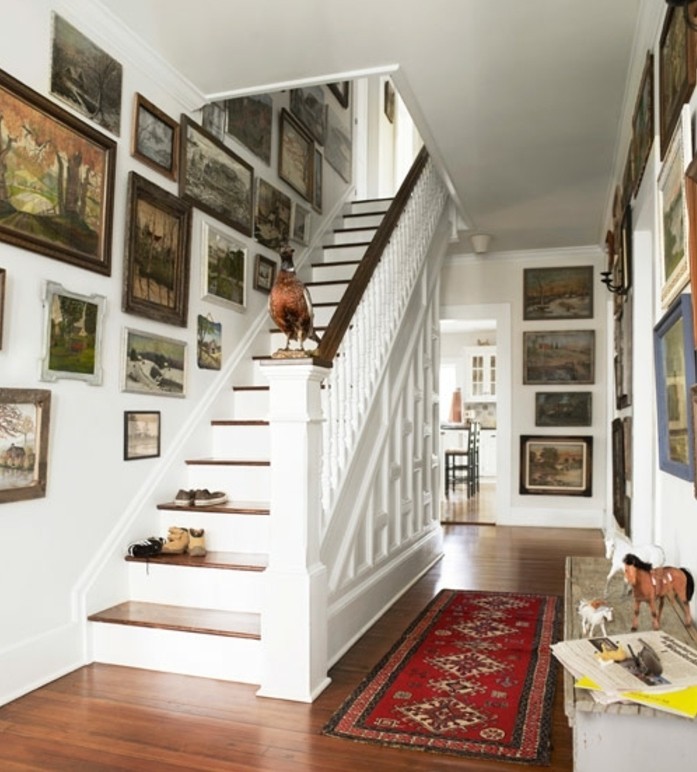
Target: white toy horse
[[617, 545], [593, 613]]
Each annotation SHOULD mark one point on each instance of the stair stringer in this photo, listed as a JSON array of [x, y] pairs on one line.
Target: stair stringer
[[384, 531]]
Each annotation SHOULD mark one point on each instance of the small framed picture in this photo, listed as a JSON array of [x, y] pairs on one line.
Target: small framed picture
[[24, 426], [141, 434], [563, 408], [209, 348], [558, 357], [153, 364], [73, 335], [155, 140], [564, 292], [272, 221], [317, 184], [264, 273], [556, 466], [224, 268], [2, 301], [389, 100], [300, 224]]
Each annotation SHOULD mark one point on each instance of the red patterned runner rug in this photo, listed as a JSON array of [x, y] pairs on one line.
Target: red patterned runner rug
[[473, 676]]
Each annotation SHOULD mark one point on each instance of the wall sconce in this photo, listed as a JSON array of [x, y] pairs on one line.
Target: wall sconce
[[606, 276], [616, 289], [684, 4]]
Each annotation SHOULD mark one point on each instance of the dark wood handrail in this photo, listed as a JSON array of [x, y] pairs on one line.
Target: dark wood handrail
[[340, 321]]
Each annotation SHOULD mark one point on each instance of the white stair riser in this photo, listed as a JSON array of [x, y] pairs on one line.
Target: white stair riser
[[350, 234], [345, 252], [359, 207], [333, 272], [241, 483], [241, 442], [327, 293], [223, 532], [209, 588], [362, 220], [251, 404], [278, 341], [323, 315], [172, 651]]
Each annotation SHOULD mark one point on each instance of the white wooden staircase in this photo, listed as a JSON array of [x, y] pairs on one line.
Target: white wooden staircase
[[202, 615]]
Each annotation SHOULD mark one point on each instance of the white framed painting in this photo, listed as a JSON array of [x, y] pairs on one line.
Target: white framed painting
[[223, 268]]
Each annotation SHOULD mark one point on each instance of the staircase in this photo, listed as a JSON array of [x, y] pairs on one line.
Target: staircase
[[202, 616]]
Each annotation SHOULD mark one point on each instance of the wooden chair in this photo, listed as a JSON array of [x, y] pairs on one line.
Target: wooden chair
[[462, 464]]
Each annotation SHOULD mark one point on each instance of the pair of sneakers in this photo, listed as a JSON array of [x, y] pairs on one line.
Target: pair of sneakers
[[201, 497], [180, 540]]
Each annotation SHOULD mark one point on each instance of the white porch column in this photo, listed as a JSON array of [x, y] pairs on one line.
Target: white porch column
[[294, 616]]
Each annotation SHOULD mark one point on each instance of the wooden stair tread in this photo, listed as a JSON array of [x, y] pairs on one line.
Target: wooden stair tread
[[238, 422], [229, 508], [195, 620], [233, 561], [252, 388], [225, 462], [337, 263], [347, 246]]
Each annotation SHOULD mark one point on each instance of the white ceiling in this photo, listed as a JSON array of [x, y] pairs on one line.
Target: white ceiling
[[519, 101]]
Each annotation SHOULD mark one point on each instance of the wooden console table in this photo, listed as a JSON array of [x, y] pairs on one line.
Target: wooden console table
[[621, 736]]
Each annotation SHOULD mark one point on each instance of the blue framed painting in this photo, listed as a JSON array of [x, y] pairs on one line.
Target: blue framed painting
[[674, 354]]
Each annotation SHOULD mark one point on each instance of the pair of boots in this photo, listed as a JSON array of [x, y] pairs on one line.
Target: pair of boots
[[180, 540]]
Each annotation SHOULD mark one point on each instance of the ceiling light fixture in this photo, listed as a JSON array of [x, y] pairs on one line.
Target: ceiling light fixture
[[690, 20], [480, 242]]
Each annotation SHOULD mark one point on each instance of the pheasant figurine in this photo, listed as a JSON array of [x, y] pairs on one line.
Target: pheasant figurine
[[290, 307]]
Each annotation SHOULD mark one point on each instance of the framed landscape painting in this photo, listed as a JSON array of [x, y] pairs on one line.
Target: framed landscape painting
[[24, 427], [565, 356], [73, 335], [273, 213], [558, 293], [338, 150], [141, 434], [58, 192], [3, 273], [153, 364], [264, 273], [642, 126], [563, 408], [224, 268], [155, 140], [296, 156], [307, 105], [556, 466], [250, 120]]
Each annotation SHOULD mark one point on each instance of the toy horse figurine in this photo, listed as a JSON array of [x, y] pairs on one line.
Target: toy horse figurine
[[617, 546], [649, 583], [593, 613]]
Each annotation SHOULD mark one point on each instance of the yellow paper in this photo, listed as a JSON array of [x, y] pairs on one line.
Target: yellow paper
[[586, 683], [683, 702]]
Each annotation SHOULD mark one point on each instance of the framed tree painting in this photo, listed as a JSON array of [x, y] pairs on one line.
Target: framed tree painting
[[214, 179], [273, 213], [155, 138], [296, 156], [250, 120], [24, 426], [209, 348], [559, 357], [224, 268], [674, 354], [57, 195], [563, 408], [156, 277], [73, 335], [673, 230], [556, 466], [141, 434], [558, 293]]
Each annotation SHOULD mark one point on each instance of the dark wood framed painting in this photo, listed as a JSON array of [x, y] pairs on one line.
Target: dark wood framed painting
[[153, 364], [691, 204], [338, 150], [317, 186], [642, 125], [296, 156], [58, 192], [273, 214], [559, 357], [73, 327], [141, 434], [3, 274], [300, 224], [24, 428], [156, 275], [308, 106], [264, 273], [558, 293], [342, 91], [619, 481], [389, 99], [85, 76], [563, 408], [677, 68], [674, 354], [556, 466], [214, 179], [250, 121], [155, 138]]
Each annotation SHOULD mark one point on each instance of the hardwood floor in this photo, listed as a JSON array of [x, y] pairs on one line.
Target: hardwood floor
[[104, 717], [479, 508]]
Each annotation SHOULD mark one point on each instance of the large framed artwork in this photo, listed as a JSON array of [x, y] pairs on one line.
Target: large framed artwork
[[556, 466], [558, 293], [563, 408], [307, 105], [24, 427], [564, 356], [58, 192], [155, 138], [675, 268], [691, 204], [337, 150], [693, 400], [296, 156], [141, 434], [677, 70], [3, 274], [223, 268], [153, 364], [273, 214], [156, 275], [250, 120], [73, 335], [215, 179], [642, 125], [85, 76], [619, 481], [674, 354]]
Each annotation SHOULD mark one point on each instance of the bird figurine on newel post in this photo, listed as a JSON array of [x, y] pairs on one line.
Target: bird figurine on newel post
[[290, 307]]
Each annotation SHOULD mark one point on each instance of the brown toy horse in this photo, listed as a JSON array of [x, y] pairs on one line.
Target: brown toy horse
[[649, 583]]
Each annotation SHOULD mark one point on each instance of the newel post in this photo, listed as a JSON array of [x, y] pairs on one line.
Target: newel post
[[294, 614]]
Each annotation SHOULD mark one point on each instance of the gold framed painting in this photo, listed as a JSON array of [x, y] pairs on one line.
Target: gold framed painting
[[556, 466]]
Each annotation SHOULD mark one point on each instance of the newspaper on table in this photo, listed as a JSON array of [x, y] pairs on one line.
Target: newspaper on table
[[600, 660]]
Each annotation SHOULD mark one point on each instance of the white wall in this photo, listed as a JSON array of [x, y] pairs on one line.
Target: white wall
[[93, 497]]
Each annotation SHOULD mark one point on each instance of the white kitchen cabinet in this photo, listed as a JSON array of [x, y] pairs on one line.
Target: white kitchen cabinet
[[480, 374], [487, 453]]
